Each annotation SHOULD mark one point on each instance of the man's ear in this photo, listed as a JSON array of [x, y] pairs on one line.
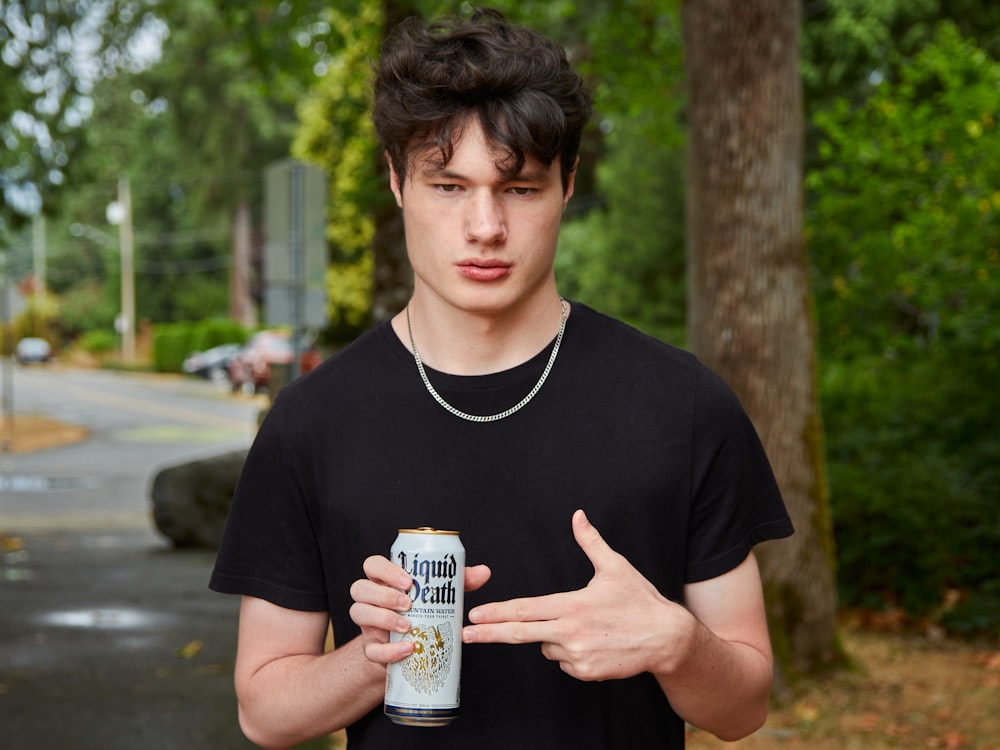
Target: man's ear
[[570, 183], [394, 184]]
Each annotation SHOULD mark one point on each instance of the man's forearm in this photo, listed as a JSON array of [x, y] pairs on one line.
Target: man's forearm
[[299, 697], [717, 685]]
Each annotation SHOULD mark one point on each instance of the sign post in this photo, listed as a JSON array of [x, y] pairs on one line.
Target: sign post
[[295, 254]]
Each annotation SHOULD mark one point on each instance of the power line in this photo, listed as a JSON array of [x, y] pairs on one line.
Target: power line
[[181, 267]]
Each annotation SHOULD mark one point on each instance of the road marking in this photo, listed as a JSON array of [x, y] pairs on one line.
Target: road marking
[[34, 483], [178, 433], [179, 413]]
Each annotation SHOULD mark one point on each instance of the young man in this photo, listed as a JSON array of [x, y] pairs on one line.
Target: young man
[[608, 488]]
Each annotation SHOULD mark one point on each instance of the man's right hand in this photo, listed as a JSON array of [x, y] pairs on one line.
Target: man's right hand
[[381, 598]]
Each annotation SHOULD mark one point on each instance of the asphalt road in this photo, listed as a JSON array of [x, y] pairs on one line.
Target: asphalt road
[[137, 423], [109, 637]]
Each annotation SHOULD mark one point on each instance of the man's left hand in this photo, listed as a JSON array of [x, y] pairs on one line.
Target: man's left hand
[[617, 626]]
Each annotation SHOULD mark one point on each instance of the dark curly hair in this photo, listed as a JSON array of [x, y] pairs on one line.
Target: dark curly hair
[[431, 78]]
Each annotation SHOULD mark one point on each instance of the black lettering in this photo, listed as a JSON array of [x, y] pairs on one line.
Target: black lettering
[[443, 594]]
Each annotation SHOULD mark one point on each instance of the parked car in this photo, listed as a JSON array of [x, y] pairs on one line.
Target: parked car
[[250, 369], [212, 364], [33, 350]]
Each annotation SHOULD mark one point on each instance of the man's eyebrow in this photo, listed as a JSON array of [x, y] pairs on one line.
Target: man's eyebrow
[[442, 173], [530, 174]]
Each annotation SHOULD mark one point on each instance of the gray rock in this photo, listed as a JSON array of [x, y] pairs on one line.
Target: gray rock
[[191, 500]]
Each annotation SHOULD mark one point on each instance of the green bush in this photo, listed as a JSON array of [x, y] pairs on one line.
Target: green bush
[[904, 242], [915, 518], [215, 332], [171, 344], [975, 612], [39, 318], [98, 341], [86, 307]]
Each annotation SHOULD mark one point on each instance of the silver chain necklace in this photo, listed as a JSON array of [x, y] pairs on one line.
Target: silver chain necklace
[[492, 417]]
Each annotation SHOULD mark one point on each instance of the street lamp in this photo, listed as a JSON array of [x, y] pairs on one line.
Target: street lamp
[[119, 213]]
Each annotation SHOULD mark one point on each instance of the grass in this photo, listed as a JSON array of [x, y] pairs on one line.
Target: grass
[[22, 433]]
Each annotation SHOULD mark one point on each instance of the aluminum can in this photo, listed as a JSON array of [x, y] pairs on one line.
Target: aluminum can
[[423, 689]]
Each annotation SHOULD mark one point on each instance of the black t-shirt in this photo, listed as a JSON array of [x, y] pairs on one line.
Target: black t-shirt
[[651, 444]]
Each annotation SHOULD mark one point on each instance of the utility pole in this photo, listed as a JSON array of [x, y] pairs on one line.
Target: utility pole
[[128, 322], [6, 329], [297, 246], [38, 247]]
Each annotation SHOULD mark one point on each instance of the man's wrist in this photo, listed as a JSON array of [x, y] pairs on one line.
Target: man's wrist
[[681, 635]]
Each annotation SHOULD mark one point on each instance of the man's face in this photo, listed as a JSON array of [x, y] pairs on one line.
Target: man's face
[[478, 241]]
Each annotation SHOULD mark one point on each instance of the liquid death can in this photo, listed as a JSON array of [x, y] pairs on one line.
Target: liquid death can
[[423, 689]]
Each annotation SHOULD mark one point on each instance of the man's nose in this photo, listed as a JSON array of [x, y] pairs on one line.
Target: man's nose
[[485, 221]]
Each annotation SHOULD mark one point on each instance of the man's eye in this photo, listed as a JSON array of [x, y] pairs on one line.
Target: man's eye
[[447, 188], [523, 191]]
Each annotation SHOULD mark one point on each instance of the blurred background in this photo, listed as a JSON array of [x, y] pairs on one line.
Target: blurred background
[[139, 136]]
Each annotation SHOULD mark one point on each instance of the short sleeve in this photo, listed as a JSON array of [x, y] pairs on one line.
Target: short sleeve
[[270, 548], [735, 502]]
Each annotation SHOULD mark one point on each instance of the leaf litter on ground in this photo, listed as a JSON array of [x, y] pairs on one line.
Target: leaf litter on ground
[[902, 690]]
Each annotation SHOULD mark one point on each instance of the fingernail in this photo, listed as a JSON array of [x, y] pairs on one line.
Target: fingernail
[[403, 603], [402, 625], [474, 615]]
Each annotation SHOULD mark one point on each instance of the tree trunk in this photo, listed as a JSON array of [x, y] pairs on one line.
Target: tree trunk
[[749, 313], [241, 304]]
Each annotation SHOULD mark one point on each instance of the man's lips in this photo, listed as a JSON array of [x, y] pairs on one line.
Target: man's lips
[[484, 270]]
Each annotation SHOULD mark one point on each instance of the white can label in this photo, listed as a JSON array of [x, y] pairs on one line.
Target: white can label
[[423, 689]]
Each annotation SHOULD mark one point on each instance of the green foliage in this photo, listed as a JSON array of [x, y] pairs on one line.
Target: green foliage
[[846, 42], [98, 342], [613, 258], [849, 46], [901, 220], [904, 238], [627, 257], [349, 290], [197, 130], [913, 520], [214, 332], [194, 131], [38, 319], [45, 87], [975, 613], [184, 295], [336, 133], [181, 260], [622, 246], [86, 308], [229, 78], [171, 344]]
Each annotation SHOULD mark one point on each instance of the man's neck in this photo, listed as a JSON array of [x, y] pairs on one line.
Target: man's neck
[[473, 343]]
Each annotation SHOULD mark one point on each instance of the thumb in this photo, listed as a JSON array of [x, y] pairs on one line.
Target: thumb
[[592, 543], [476, 577]]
